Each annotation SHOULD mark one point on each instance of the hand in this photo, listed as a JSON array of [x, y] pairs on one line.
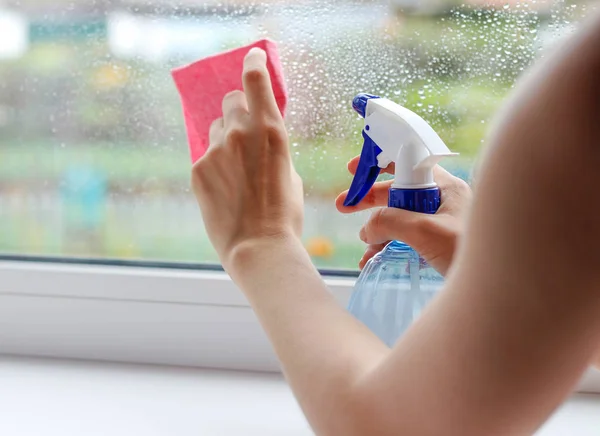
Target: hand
[[246, 185], [435, 237]]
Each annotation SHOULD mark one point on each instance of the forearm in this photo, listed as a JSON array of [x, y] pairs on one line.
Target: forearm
[[525, 294], [324, 350], [470, 344], [489, 356]]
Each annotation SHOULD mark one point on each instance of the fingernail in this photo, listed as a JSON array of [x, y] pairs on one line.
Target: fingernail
[[363, 235], [255, 50]]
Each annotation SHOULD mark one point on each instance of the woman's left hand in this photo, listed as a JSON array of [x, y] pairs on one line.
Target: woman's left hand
[[246, 185]]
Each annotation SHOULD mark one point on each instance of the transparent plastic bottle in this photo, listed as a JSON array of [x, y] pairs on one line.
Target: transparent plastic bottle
[[396, 284], [392, 291]]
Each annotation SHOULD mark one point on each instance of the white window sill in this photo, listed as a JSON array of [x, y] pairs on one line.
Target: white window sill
[[67, 398], [133, 314], [157, 316]]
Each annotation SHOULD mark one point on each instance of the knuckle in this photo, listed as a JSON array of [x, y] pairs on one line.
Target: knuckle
[[233, 100], [456, 196], [198, 165], [235, 135], [215, 126], [275, 131], [233, 95], [197, 172], [461, 186], [376, 222], [382, 217]]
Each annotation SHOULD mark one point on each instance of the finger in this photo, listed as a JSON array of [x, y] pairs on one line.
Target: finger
[[257, 85], [376, 197], [371, 251], [353, 165], [397, 224], [234, 106], [442, 177], [448, 181], [456, 193], [215, 133]]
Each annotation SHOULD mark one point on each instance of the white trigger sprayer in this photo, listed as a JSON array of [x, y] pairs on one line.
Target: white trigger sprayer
[[395, 134], [396, 284]]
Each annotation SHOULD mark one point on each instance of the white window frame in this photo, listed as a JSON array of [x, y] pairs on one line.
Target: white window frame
[[128, 313], [153, 315]]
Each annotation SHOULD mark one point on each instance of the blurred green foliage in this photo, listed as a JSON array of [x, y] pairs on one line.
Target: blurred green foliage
[[71, 102]]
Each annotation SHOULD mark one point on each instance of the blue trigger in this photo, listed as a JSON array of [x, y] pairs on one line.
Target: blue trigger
[[366, 173]]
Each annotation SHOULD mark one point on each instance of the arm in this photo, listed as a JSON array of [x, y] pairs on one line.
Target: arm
[[514, 329], [324, 351]]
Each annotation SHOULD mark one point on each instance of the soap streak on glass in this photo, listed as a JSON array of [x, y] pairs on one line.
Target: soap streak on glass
[[93, 152]]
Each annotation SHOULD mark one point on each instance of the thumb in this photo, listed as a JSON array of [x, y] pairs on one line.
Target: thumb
[[389, 223]]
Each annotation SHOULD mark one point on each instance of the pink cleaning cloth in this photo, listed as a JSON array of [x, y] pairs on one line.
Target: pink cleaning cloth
[[203, 84]]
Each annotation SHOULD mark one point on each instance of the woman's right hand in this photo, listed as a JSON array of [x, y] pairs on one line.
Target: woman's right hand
[[435, 237]]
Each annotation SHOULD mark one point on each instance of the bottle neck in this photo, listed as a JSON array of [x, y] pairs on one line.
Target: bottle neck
[[425, 200], [398, 246]]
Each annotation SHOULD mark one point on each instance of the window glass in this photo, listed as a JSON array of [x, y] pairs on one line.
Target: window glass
[[93, 150]]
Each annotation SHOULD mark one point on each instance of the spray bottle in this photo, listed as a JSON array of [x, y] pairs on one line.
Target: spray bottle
[[396, 284]]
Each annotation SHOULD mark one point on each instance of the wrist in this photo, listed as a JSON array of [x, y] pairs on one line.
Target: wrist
[[253, 256]]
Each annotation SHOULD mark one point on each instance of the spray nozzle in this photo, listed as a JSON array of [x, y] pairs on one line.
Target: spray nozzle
[[394, 134], [359, 103]]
